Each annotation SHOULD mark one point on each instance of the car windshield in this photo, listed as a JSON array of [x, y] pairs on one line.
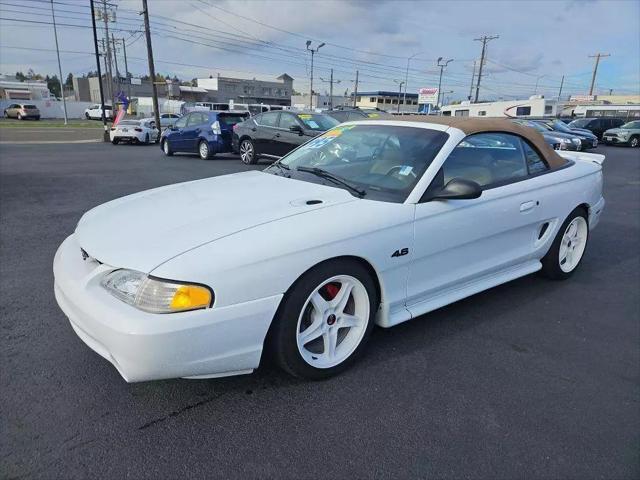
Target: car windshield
[[635, 124], [534, 125], [580, 123], [316, 121], [384, 162], [30, 107]]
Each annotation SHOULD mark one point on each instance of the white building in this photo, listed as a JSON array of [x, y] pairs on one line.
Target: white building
[[13, 89], [535, 106]]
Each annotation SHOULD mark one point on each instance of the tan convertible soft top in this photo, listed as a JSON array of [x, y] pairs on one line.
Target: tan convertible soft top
[[477, 125]]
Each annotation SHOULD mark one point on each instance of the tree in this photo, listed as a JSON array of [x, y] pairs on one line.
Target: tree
[[21, 76], [53, 84], [69, 81]]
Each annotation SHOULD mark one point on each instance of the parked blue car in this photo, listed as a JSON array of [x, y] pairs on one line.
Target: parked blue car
[[204, 133]]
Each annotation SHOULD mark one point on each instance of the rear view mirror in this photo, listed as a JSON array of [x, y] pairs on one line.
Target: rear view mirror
[[296, 128], [459, 189]]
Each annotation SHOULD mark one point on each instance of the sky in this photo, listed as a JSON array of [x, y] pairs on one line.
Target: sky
[[539, 42]]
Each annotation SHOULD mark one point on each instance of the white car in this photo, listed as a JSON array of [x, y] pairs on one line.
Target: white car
[[135, 131], [94, 112], [371, 222]]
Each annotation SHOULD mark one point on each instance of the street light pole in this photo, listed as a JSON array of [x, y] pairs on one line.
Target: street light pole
[[442, 67], [399, 93], [406, 77], [311, 85], [152, 70], [55, 34], [535, 90]]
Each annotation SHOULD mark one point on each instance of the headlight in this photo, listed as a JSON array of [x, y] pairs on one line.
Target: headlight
[[565, 140], [156, 295]]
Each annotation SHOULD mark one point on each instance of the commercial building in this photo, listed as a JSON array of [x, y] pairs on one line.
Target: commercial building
[[388, 101], [535, 106], [322, 102], [13, 89], [88, 89], [240, 90]]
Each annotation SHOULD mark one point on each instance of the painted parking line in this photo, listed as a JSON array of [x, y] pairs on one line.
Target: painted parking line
[[45, 142]]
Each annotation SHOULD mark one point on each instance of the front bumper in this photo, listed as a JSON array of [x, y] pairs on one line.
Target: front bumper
[[595, 212], [615, 140], [142, 346]]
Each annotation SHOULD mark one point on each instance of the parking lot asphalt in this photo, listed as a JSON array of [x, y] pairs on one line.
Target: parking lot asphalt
[[534, 379]]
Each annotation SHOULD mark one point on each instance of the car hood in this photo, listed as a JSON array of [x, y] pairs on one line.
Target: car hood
[[144, 230], [618, 130], [582, 131]]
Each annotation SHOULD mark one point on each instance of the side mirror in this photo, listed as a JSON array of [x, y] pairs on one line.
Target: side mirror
[[296, 128], [458, 189]]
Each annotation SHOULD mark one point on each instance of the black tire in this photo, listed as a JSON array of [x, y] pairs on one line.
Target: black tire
[[146, 139], [86, 115], [115, 141], [204, 152], [281, 342], [249, 155], [634, 142], [551, 261], [166, 148], [6, 114], [38, 117]]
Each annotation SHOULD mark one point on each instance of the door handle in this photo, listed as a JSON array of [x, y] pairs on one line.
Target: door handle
[[197, 130], [253, 129], [526, 206], [277, 134]]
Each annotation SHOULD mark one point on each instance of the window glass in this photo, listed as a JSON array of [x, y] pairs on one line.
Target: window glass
[[385, 161], [317, 121], [196, 119], [182, 122], [487, 159], [535, 163], [267, 119], [287, 120], [340, 116], [462, 113], [523, 111]]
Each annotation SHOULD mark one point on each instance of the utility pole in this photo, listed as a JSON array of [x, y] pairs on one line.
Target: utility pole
[[55, 33], [105, 17], [535, 91], [331, 82], [311, 85], [95, 46], [484, 39], [115, 61], [473, 75], [442, 67], [152, 70], [355, 90], [126, 69], [406, 76], [597, 56], [560, 91]]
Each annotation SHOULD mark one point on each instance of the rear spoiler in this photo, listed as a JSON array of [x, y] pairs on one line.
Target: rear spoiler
[[582, 156]]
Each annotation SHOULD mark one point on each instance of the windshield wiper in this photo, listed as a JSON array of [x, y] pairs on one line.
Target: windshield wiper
[[281, 166], [334, 178]]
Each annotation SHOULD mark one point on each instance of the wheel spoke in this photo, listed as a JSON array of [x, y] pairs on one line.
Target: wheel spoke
[[313, 331], [319, 303], [349, 321], [330, 338], [342, 297]]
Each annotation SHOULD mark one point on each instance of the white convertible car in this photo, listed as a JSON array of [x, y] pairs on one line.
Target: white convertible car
[[371, 222]]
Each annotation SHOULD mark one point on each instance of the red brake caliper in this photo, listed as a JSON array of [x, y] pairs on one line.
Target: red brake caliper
[[332, 290]]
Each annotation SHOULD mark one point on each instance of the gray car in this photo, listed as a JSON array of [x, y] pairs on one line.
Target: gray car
[[558, 140]]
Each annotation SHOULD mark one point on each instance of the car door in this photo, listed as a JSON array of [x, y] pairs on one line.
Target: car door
[[191, 133], [461, 243], [285, 139], [265, 130], [174, 135]]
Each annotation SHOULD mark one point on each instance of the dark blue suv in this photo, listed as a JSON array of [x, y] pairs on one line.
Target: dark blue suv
[[205, 133]]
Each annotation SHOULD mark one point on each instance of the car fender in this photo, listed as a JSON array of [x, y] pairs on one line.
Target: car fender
[[267, 259]]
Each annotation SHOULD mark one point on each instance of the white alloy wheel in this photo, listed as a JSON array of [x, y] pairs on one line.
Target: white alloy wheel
[[203, 149], [634, 142], [573, 244], [333, 321], [166, 148], [246, 152]]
